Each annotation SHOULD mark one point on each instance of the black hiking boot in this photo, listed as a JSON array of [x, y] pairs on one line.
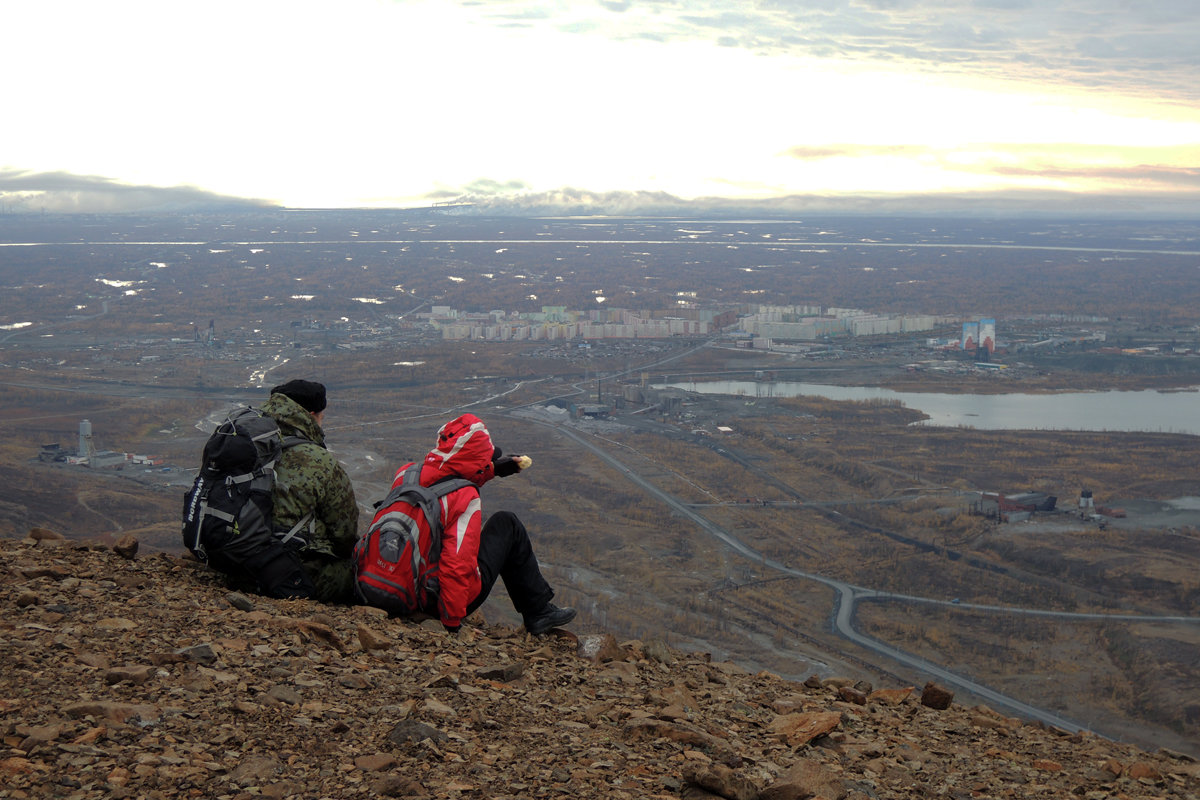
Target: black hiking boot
[[549, 617]]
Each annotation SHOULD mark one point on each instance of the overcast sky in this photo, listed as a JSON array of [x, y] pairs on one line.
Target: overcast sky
[[399, 103]]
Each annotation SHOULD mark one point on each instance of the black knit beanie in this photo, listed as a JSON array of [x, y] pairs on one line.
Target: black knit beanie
[[309, 395]]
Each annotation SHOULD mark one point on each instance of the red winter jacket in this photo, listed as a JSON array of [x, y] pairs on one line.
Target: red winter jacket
[[464, 450]]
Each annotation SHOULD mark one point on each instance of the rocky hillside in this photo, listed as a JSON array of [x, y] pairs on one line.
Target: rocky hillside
[[142, 676]]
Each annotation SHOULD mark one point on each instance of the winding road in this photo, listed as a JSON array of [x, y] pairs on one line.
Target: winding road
[[848, 595]]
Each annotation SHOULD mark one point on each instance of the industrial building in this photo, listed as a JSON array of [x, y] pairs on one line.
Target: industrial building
[[88, 456], [810, 323], [556, 323], [979, 336], [1013, 507]]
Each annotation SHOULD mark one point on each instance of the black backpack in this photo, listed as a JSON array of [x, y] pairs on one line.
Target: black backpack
[[228, 513]]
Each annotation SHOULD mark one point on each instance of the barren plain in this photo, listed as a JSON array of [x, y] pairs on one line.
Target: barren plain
[[850, 492]]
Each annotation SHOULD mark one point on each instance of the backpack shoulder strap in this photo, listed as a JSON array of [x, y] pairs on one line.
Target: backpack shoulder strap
[[293, 439], [447, 485], [426, 498], [303, 522], [409, 483]]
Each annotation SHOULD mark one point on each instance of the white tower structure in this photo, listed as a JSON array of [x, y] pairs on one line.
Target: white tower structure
[[87, 448]]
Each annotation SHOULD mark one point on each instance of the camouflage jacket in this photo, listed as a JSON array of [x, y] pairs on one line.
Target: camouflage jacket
[[309, 478]]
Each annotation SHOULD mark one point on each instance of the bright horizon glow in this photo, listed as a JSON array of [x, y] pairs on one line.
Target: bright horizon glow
[[367, 103]]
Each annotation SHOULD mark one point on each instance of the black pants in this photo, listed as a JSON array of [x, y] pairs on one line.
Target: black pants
[[506, 552]]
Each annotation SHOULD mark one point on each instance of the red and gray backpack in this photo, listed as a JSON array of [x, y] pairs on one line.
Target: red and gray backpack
[[396, 560]]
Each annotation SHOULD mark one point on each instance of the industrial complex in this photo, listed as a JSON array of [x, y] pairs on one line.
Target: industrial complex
[[88, 456]]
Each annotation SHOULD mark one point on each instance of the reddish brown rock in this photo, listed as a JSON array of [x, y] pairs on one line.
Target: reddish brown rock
[[599, 648], [255, 770], [45, 535], [15, 766], [1139, 770], [806, 779], [502, 672], [434, 707], [376, 762], [443, 680], [130, 673], [38, 736], [801, 728], [282, 789], [116, 624], [126, 547], [786, 705], [657, 650], [619, 672], [936, 697], [45, 571], [204, 654], [890, 697], [399, 786], [91, 735], [645, 729], [112, 711], [372, 640], [240, 601], [852, 695], [94, 660], [284, 694], [722, 781], [413, 732], [675, 713], [312, 631], [159, 659], [676, 695], [360, 723]]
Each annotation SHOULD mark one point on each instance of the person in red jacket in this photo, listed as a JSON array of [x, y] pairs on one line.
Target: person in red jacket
[[475, 553]]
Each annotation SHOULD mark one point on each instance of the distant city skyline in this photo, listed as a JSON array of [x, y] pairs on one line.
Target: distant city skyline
[[612, 106]]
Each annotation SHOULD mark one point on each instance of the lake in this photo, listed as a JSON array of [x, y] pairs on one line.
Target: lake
[[1142, 411]]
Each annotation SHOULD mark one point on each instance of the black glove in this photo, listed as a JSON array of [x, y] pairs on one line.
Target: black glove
[[504, 465], [451, 628]]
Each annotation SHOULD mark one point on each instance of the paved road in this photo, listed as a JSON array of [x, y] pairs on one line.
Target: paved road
[[848, 595]]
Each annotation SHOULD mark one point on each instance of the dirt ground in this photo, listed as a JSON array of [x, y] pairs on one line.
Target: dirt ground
[[1139, 514]]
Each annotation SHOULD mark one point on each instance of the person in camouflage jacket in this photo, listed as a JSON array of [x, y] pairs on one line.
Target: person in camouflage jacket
[[309, 478]]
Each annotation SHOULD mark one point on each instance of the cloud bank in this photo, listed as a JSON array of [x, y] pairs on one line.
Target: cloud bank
[[1088, 43], [998, 204], [23, 191]]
